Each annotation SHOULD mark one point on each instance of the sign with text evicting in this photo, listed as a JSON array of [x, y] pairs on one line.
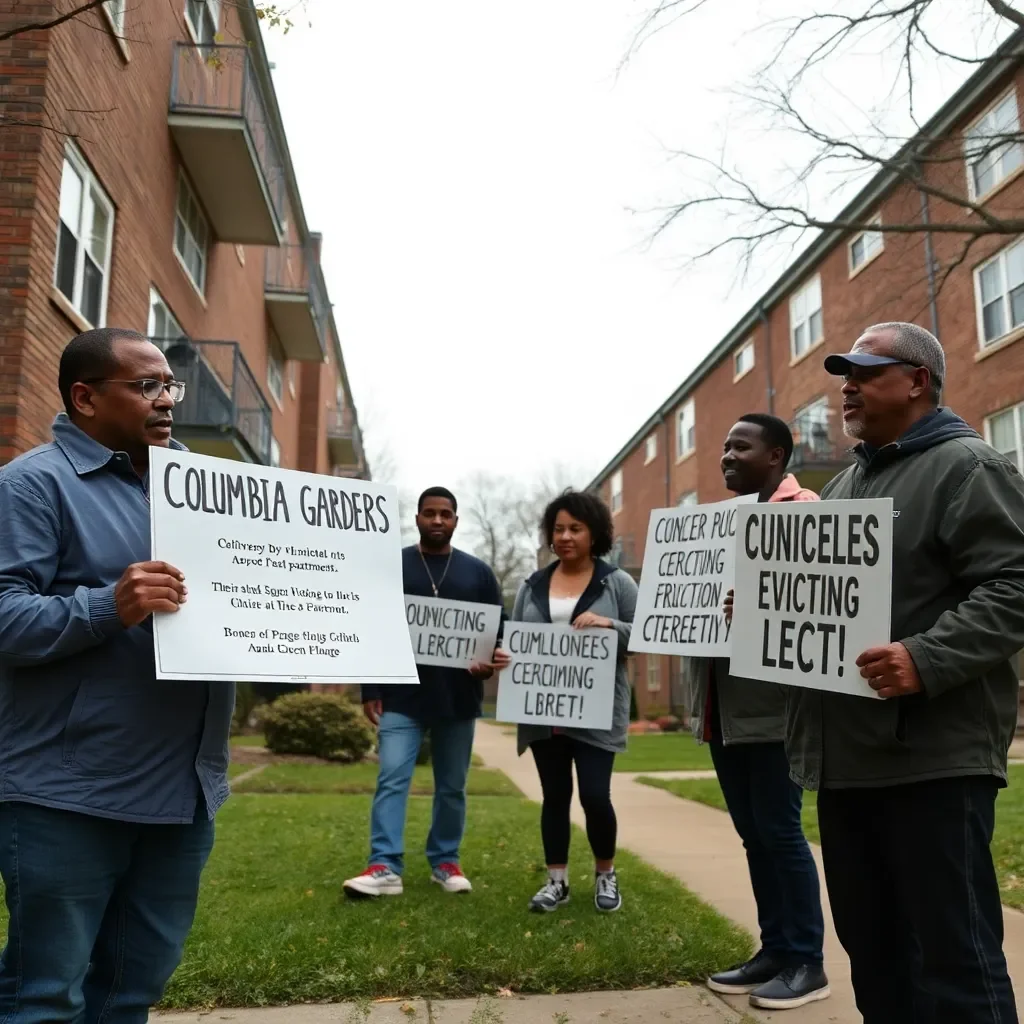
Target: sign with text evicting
[[451, 633], [292, 577], [558, 676], [688, 569], [813, 591]]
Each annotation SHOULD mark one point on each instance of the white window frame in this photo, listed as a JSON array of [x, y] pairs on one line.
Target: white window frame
[[115, 12], [739, 371], [615, 489], [276, 373], [803, 317], [812, 442], [275, 452], [654, 673], [687, 499], [186, 191], [872, 249], [1000, 259], [212, 8], [1017, 412], [650, 448], [686, 423], [969, 164], [98, 197], [156, 299]]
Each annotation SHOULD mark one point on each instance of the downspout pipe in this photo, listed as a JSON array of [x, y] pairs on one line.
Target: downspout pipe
[[770, 389], [929, 257]]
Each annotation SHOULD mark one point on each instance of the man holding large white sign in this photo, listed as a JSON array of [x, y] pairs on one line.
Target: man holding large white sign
[[293, 577], [813, 587]]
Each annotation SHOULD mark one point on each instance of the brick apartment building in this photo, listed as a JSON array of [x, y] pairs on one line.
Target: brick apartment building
[[771, 360], [145, 182]]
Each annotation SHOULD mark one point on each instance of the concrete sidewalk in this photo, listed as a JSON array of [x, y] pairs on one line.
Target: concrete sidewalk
[[700, 847]]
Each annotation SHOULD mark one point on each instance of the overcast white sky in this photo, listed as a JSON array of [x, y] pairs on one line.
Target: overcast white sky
[[472, 166]]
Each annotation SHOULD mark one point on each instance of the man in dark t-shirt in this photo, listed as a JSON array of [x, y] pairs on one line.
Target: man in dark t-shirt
[[446, 703]]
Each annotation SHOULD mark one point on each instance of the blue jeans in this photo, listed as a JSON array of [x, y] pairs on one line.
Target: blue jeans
[[451, 748], [100, 911], [764, 804]]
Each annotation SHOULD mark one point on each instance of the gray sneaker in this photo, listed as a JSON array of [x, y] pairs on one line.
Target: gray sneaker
[[607, 897], [551, 896]]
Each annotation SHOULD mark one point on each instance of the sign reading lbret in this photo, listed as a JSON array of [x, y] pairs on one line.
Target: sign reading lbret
[[292, 577]]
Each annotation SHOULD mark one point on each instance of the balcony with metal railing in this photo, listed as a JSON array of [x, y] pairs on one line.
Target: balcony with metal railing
[[219, 119], [224, 413], [820, 452], [343, 442], [296, 299]]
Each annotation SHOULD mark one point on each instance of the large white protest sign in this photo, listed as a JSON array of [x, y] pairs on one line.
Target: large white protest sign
[[292, 577], [813, 591], [689, 562], [558, 676], [451, 633]]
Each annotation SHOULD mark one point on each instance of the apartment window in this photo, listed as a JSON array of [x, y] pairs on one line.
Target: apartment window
[[686, 429], [275, 373], [339, 397], [616, 489], [653, 673], [275, 452], [999, 294], [650, 448], [743, 360], [993, 153], [203, 18], [805, 318], [84, 237], [1005, 432], [810, 429], [162, 322], [689, 498], [865, 247], [115, 12], [191, 234]]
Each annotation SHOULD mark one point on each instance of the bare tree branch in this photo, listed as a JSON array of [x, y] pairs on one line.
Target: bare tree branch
[[36, 26]]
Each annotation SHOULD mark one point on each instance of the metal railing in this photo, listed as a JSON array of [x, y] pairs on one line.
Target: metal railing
[[293, 269], [338, 426], [221, 392], [816, 444], [221, 81]]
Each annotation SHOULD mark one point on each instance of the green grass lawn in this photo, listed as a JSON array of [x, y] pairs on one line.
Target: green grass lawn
[[362, 778], [253, 740], [664, 752], [272, 926], [237, 769], [1007, 844]]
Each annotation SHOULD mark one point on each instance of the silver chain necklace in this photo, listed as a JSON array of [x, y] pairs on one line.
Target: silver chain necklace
[[426, 568]]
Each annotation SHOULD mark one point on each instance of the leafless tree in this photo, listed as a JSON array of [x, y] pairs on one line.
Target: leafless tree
[[765, 206]]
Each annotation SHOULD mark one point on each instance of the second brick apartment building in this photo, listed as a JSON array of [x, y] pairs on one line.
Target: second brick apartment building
[[146, 182], [771, 360]]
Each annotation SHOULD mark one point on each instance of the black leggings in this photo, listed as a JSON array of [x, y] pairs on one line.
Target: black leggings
[[554, 758]]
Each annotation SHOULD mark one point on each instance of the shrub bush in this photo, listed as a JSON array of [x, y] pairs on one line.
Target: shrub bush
[[327, 725], [654, 712], [423, 757], [669, 723]]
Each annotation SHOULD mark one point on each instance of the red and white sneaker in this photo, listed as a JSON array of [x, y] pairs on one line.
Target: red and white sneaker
[[451, 878], [376, 880]]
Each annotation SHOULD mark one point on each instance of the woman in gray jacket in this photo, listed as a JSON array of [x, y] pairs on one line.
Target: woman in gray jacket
[[579, 590]]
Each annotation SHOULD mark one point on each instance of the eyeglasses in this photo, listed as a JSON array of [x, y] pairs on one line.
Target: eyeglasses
[[151, 389], [862, 373]]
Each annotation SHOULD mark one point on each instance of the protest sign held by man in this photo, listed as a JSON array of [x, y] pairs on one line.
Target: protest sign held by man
[[743, 720], [908, 783], [446, 703], [111, 777]]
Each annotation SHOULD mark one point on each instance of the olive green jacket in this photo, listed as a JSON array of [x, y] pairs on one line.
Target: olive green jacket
[[957, 606], [749, 711]]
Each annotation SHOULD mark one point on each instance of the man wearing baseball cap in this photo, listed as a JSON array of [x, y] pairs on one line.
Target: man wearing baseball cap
[[907, 784]]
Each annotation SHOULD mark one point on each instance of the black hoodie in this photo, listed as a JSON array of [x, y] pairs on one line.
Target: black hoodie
[[957, 606]]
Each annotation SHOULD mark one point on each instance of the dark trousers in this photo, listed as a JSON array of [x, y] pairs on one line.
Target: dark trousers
[[554, 758], [915, 900], [764, 804], [100, 911]]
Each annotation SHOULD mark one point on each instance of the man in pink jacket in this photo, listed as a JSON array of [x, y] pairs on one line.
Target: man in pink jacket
[[744, 722]]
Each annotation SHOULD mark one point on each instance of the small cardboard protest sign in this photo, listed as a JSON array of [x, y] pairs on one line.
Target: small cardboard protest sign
[[451, 633], [689, 565], [558, 676], [813, 591]]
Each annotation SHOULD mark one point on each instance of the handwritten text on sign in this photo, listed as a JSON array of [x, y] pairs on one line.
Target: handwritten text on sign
[[813, 591], [689, 562], [292, 577], [558, 676], [451, 633]]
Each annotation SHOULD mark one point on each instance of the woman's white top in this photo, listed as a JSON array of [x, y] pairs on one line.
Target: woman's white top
[[561, 609]]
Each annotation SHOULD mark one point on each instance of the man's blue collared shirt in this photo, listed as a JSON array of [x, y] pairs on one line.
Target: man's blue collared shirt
[[85, 725]]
